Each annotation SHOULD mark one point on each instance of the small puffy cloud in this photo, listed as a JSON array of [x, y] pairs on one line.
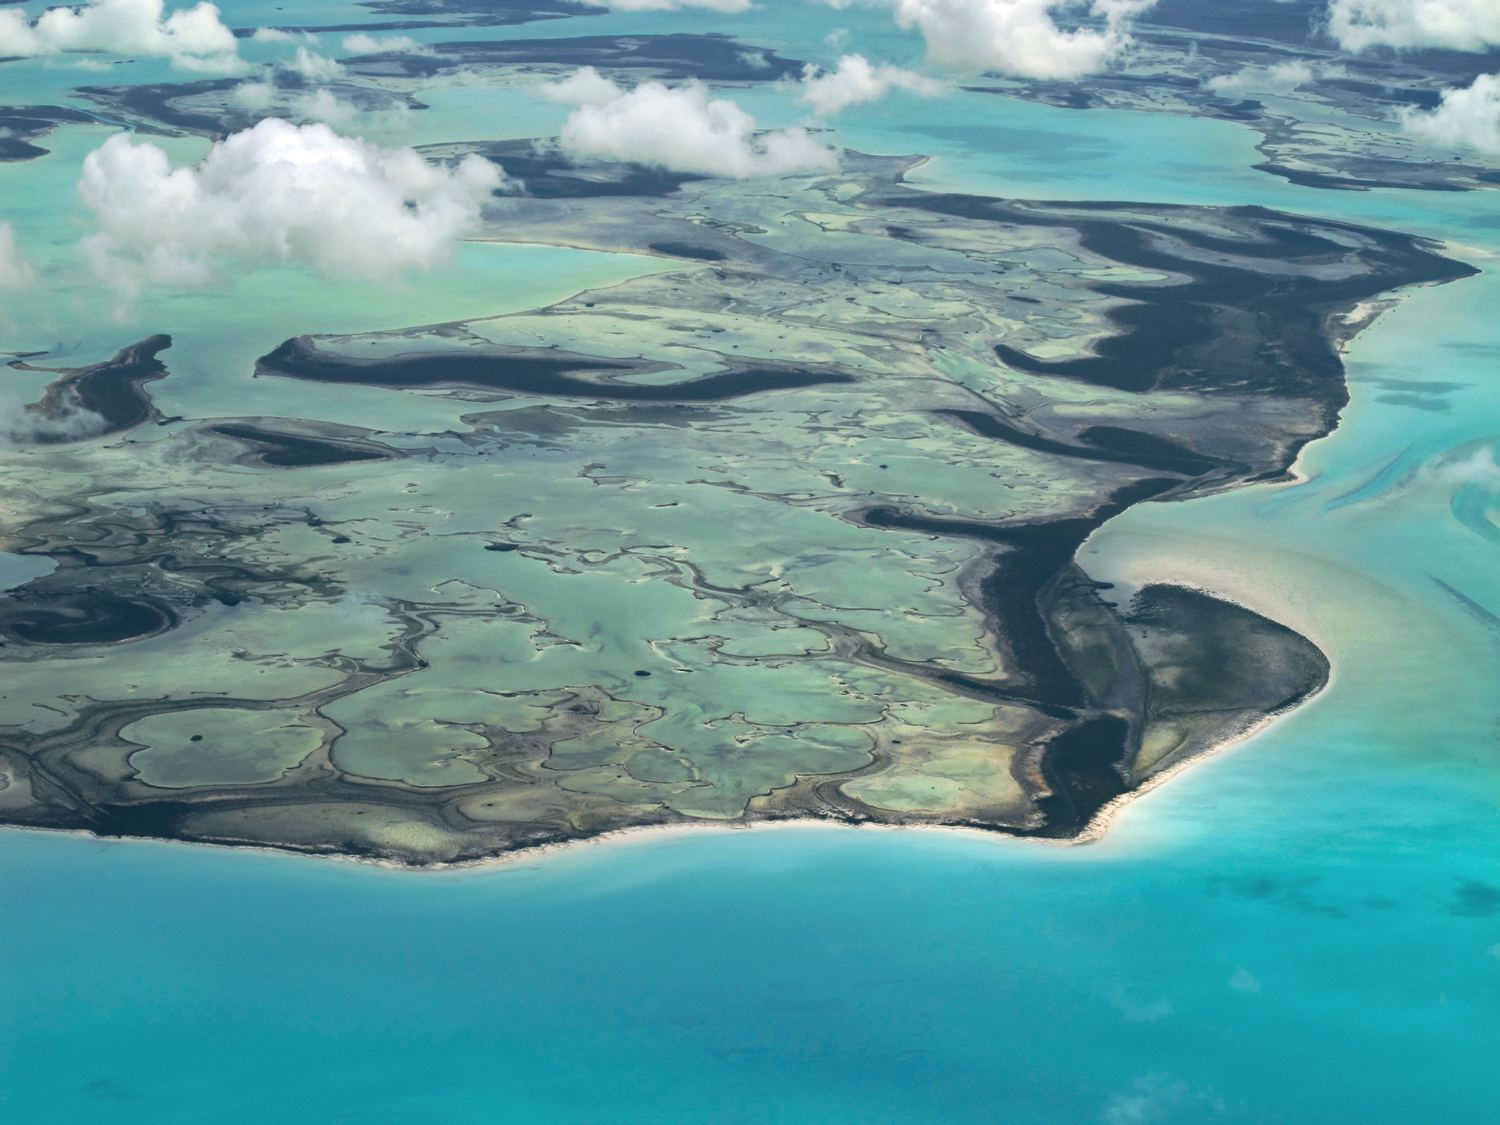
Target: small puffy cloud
[[1020, 37], [1465, 465], [674, 5], [254, 96], [1243, 981], [263, 99], [280, 193], [585, 86], [1279, 78], [680, 129], [855, 81], [313, 67], [1154, 1098], [1137, 1009], [15, 271], [362, 44], [66, 421], [1462, 25], [1469, 117], [282, 35], [193, 38], [324, 106]]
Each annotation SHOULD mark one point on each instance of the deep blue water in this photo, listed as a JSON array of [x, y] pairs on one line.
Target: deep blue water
[[789, 976]]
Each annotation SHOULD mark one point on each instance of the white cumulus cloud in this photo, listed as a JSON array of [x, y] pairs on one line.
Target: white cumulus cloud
[[66, 422], [15, 271], [314, 67], [264, 99], [1279, 78], [680, 129], [281, 193], [1469, 117], [1462, 25], [1021, 37], [585, 86], [193, 38], [253, 95], [673, 5], [1153, 1099], [362, 44], [282, 35], [855, 81]]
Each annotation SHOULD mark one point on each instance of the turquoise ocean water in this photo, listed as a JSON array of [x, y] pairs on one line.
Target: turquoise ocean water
[[1302, 930]]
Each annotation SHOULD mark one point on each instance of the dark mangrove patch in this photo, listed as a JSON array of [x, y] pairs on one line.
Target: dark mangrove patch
[[113, 391], [1303, 178], [545, 174], [1013, 591], [1210, 655], [154, 102], [22, 124], [545, 373], [710, 57], [277, 449], [450, 13], [1286, 21], [687, 250], [1100, 443], [1224, 329]]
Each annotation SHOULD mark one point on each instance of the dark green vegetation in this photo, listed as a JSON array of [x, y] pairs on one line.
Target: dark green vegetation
[[709, 58], [452, 13], [111, 395], [22, 124]]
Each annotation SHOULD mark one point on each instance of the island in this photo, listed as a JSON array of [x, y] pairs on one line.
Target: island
[[786, 529]]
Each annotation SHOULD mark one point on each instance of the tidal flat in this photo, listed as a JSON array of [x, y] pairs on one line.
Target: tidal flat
[[785, 531]]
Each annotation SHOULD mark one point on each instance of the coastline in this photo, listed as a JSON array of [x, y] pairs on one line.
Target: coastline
[[631, 835], [1029, 584]]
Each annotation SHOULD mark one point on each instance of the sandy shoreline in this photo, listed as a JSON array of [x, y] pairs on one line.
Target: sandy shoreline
[[1096, 836]]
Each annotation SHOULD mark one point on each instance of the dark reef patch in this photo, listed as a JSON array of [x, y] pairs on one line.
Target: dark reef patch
[[541, 373], [1475, 899]]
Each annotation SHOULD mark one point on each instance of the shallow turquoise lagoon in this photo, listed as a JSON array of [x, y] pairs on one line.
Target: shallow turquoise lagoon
[[799, 976], [1304, 929]]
